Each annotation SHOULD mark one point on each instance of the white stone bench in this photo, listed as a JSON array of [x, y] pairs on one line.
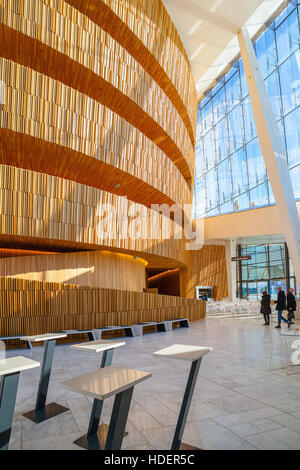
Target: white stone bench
[[183, 323], [128, 330], [28, 343], [90, 333], [139, 327]]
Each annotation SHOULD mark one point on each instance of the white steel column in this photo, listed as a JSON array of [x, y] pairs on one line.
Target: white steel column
[[230, 249], [272, 150]]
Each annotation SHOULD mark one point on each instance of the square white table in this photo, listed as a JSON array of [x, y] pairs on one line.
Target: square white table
[[101, 345], [42, 412], [193, 354], [107, 348], [104, 383], [10, 369]]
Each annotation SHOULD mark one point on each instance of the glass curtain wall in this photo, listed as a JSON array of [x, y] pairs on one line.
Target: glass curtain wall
[[230, 174], [269, 267]]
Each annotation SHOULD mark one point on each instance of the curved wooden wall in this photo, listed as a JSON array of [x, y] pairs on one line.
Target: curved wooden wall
[[207, 267], [39, 107], [146, 30], [93, 268], [32, 307], [43, 207], [72, 49], [99, 108]]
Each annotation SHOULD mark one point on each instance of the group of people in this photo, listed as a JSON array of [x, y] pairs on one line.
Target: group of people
[[283, 302]]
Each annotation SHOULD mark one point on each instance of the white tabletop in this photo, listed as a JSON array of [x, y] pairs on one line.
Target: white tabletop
[[186, 352], [98, 345], [44, 337], [105, 382], [16, 364], [290, 333]]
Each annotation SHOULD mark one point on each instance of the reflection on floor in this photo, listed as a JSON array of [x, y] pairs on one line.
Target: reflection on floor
[[239, 402]]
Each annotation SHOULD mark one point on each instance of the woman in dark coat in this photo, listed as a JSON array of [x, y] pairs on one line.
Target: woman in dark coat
[[291, 304], [265, 308]]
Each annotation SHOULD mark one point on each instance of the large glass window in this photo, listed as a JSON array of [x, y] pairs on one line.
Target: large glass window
[[225, 181], [287, 36], [290, 82], [235, 129], [292, 134], [266, 270], [256, 165], [265, 48], [240, 180], [221, 139], [228, 150], [212, 192], [233, 91]]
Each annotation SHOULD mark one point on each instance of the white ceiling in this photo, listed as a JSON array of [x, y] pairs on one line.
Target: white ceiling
[[208, 30]]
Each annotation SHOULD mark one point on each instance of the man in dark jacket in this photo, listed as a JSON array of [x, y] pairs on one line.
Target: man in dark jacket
[[281, 306], [291, 304]]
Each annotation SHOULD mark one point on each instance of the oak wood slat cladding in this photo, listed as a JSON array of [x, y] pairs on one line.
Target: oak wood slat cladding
[[33, 307], [39, 106], [207, 267], [21, 150], [37, 56], [92, 268], [39, 206], [76, 36], [101, 12]]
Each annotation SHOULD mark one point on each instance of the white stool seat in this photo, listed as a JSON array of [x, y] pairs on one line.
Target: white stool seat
[[99, 345], [12, 365], [105, 382], [44, 337], [183, 351]]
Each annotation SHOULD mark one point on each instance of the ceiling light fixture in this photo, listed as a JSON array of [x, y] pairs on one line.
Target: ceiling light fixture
[[197, 51], [194, 27]]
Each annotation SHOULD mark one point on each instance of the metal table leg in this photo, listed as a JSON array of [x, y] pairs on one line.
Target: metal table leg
[[118, 420], [42, 412], [107, 358], [186, 403], [96, 435], [91, 336], [8, 394]]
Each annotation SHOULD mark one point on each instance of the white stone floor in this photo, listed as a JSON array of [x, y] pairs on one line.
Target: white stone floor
[[239, 401]]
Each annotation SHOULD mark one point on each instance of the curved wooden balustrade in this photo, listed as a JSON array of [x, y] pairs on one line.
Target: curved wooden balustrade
[[162, 128], [42, 207]]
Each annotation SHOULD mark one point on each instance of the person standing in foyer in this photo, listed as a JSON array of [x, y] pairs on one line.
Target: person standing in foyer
[[265, 308], [280, 307], [291, 305]]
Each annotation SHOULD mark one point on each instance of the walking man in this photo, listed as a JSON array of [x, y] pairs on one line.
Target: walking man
[[281, 306], [291, 305]]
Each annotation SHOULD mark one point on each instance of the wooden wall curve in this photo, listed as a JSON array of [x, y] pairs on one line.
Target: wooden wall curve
[[146, 30], [32, 307], [40, 107], [151, 115], [99, 110], [40, 206], [102, 269]]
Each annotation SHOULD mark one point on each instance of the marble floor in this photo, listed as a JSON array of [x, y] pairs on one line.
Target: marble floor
[[243, 398]]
